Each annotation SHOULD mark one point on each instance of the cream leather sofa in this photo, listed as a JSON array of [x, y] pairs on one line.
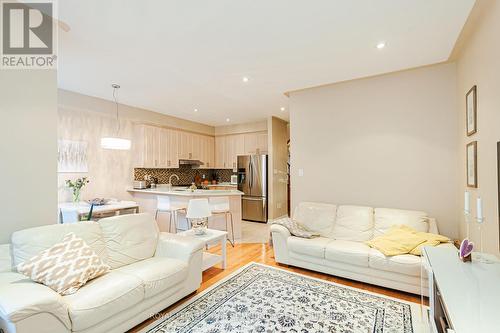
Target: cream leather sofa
[[150, 271], [341, 250]]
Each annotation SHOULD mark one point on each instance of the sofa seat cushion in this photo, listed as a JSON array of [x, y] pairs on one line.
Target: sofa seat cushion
[[353, 253], [407, 264], [314, 247], [354, 223], [21, 298], [102, 298], [157, 274], [316, 217], [385, 218]]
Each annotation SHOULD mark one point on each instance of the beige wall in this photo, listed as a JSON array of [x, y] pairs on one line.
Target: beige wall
[[277, 176], [386, 141], [478, 63], [85, 118], [28, 149]]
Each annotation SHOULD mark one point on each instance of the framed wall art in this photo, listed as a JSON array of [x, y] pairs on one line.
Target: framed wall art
[[471, 160], [471, 111]]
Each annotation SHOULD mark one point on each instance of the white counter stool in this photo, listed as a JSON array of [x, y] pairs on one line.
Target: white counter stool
[[164, 205], [219, 206]]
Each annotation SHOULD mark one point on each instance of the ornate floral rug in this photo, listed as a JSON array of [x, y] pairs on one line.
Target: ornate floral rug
[[260, 298]]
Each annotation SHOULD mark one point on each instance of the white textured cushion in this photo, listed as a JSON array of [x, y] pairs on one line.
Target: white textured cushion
[[317, 217], [157, 274], [102, 298], [129, 238], [349, 252], [385, 218], [353, 223], [314, 247], [22, 298], [28, 243], [404, 264]]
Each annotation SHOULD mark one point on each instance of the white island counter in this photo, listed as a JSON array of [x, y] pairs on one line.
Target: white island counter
[[147, 200]]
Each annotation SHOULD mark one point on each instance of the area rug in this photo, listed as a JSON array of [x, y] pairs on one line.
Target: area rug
[[260, 298]]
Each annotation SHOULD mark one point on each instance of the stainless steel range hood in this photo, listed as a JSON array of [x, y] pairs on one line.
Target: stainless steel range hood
[[192, 163]]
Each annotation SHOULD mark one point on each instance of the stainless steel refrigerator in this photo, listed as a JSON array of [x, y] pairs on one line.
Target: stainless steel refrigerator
[[252, 181]]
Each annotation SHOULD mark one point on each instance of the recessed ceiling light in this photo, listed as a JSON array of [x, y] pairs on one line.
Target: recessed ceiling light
[[380, 45], [228, 120], [245, 79], [195, 110], [282, 108]]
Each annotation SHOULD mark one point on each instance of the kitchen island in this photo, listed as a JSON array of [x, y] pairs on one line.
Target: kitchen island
[[147, 200]]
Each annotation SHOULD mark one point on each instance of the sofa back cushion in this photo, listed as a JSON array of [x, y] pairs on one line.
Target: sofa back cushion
[[29, 242], [129, 238], [316, 217], [385, 218], [353, 223]]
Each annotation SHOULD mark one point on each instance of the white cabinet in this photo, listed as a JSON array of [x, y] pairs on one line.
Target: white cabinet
[[255, 143], [156, 147], [227, 149], [207, 152], [220, 152]]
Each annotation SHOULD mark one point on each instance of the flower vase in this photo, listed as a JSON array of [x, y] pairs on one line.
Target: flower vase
[[76, 196]]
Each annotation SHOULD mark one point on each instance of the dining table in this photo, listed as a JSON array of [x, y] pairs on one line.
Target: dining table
[[71, 212]]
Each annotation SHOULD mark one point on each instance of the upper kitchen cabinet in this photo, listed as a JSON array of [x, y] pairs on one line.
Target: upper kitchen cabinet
[[156, 147], [220, 152], [256, 143], [207, 144]]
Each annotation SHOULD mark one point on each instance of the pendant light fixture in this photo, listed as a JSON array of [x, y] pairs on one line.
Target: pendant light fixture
[[116, 143]]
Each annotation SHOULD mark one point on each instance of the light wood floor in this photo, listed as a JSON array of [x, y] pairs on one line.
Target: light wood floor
[[243, 254]]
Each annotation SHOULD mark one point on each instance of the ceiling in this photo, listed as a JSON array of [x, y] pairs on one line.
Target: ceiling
[[176, 56]]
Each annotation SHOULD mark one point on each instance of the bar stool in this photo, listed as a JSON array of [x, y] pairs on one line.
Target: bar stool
[[219, 206], [164, 205]]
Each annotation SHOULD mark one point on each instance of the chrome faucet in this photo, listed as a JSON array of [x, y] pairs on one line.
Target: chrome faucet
[[170, 178]]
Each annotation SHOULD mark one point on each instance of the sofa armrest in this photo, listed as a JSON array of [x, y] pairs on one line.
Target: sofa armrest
[[284, 232], [177, 246], [280, 235], [21, 299]]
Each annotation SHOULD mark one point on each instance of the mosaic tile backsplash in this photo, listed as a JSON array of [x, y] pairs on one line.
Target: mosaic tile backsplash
[[186, 174]]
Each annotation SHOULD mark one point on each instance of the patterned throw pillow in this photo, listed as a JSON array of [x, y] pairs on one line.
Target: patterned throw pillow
[[295, 228], [66, 266]]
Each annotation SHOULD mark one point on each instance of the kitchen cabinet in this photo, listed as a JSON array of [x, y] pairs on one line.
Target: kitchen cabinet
[[227, 149], [207, 152], [220, 152], [255, 143], [157, 147]]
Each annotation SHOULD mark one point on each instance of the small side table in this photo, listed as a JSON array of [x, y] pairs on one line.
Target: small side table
[[210, 237]]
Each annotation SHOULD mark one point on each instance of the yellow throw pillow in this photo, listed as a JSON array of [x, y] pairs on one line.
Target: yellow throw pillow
[[396, 241], [66, 266]]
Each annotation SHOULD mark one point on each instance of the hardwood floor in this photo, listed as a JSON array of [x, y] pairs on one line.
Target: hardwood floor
[[243, 254]]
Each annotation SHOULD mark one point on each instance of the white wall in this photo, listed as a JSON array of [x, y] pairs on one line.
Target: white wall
[[386, 141], [28, 149], [478, 64]]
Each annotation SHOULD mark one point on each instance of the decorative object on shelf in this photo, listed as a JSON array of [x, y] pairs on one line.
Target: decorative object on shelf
[[193, 187], [116, 142], [198, 212], [72, 156], [466, 248], [471, 160], [76, 187], [471, 110]]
